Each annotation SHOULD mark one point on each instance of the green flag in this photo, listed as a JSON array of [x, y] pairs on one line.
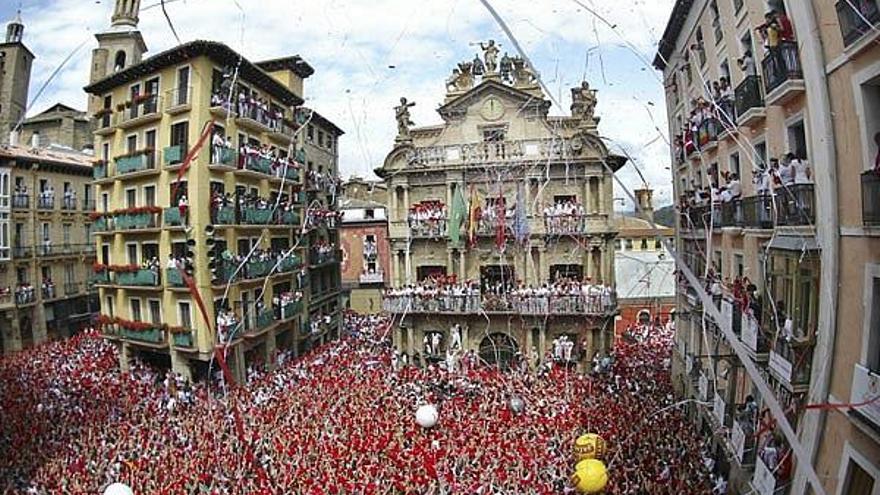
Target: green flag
[[457, 216]]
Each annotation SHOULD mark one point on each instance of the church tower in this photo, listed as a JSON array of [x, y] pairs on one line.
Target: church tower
[[119, 47], [15, 77]]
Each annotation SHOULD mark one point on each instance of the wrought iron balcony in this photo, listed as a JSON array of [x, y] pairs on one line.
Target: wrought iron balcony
[[182, 338], [142, 109], [856, 18], [288, 311], [71, 288], [318, 257], [429, 228], [21, 201], [865, 384], [565, 224], [758, 212], [495, 152], [154, 334], [136, 221], [257, 216], [870, 199], [46, 203], [748, 96], [68, 203], [99, 171], [791, 362], [178, 99], [796, 205], [504, 304], [732, 213], [780, 65]]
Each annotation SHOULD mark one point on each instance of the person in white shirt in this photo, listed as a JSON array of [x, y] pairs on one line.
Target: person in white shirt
[[786, 173], [802, 172]]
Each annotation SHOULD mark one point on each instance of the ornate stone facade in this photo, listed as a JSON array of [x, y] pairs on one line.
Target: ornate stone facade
[[498, 150]]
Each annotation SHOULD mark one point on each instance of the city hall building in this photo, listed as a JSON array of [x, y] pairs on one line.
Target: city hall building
[[477, 198]]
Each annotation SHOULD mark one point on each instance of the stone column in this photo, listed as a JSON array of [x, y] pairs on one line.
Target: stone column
[[450, 269], [465, 338], [462, 269], [408, 267], [600, 200], [590, 274], [449, 197], [609, 260], [542, 265], [236, 363], [586, 199], [406, 204], [393, 213], [395, 269]]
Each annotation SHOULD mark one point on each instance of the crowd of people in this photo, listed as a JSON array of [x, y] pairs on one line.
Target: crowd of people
[[248, 104], [427, 219], [780, 178], [562, 296], [236, 204], [564, 217], [337, 420], [323, 181], [24, 293], [322, 217], [322, 252]]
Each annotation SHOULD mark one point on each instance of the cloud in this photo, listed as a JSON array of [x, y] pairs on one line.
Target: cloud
[[369, 53]]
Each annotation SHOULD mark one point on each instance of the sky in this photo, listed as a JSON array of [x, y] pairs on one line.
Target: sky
[[369, 53]]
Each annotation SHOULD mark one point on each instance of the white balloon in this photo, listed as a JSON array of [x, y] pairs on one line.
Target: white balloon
[[118, 489], [427, 416]]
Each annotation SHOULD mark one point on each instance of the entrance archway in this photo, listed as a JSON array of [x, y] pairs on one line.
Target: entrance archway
[[499, 349]]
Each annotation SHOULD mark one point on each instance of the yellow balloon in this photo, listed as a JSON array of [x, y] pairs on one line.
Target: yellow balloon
[[589, 446], [590, 476]]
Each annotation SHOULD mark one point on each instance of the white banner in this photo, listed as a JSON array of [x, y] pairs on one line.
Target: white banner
[[763, 482], [718, 406], [750, 333], [781, 366], [738, 439], [704, 387]]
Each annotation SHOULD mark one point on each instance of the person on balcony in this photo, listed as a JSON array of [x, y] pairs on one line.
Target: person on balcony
[[747, 64], [801, 168], [218, 144], [182, 208]]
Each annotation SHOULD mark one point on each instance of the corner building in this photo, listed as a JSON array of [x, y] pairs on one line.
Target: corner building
[[498, 150], [251, 263], [810, 249]]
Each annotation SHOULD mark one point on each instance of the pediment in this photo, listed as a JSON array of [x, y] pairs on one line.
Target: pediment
[[516, 97]]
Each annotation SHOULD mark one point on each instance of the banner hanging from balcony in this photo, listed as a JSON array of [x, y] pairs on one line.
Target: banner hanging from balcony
[[520, 219], [457, 218]]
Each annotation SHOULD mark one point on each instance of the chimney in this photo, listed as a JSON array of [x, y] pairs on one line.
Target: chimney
[[646, 204]]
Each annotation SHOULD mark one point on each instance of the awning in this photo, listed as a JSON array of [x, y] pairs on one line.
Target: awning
[[794, 243]]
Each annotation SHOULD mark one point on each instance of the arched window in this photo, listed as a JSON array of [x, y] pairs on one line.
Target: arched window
[[119, 62]]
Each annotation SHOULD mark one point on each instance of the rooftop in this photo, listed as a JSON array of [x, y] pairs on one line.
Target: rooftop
[[217, 52], [671, 33], [55, 155]]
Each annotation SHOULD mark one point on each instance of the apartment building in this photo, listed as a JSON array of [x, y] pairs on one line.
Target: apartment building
[[46, 253], [501, 196], [203, 236], [364, 244], [772, 140]]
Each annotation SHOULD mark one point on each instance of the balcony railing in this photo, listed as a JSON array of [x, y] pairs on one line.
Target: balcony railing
[[104, 118], [153, 335], [732, 213], [68, 203], [492, 152], [89, 205], [565, 224], [174, 155], [871, 199], [791, 361], [221, 155], [178, 97], [224, 215], [45, 203], [71, 288], [507, 303], [25, 296], [758, 212], [174, 278], [427, 228], [317, 258], [748, 95], [865, 386], [148, 105], [753, 337], [140, 278], [259, 164], [99, 171], [781, 64], [372, 278], [852, 16], [257, 216], [173, 218], [289, 310], [489, 227], [21, 201], [182, 339], [796, 205], [137, 163], [136, 221]]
